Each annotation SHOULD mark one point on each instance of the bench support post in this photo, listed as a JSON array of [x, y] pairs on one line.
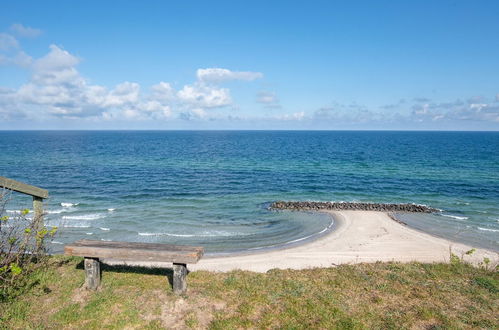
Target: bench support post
[[179, 275], [92, 273]]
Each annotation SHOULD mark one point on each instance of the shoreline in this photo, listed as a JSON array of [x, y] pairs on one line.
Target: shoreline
[[283, 246], [358, 237]]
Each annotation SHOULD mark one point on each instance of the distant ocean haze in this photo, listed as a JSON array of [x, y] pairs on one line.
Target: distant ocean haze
[[212, 188]]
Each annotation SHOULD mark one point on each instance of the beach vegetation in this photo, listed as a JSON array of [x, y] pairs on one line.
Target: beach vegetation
[[377, 295], [22, 248]]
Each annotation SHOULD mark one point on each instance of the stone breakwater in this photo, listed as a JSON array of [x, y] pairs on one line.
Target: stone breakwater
[[351, 206]]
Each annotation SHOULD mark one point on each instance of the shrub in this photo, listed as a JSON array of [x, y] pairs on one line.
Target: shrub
[[22, 247]]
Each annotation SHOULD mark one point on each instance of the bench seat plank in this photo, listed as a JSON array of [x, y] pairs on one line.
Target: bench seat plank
[[133, 251]]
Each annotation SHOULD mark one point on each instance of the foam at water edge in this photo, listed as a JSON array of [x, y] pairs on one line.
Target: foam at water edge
[[75, 226], [17, 211], [69, 204], [93, 216], [488, 229], [205, 234], [63, 210], [104, 228], [296, 240], [455, 217]]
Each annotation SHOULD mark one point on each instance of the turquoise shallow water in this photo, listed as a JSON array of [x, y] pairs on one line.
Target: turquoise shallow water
[[211, 188]]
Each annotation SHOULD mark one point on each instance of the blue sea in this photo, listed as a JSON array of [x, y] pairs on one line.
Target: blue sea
[[212, 188]]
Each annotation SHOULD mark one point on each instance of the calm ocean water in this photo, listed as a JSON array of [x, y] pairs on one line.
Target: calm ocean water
[[212, 187]]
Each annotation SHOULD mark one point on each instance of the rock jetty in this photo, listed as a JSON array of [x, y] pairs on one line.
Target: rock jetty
[[351, 206]]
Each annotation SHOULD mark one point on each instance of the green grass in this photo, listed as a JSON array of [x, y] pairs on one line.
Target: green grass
[[380, 295]]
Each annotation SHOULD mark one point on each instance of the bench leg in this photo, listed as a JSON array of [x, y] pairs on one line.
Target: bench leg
[[179, 275], [92, 273]]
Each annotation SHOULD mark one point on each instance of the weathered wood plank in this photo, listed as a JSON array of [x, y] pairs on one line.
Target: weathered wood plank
[[135, 251], [92, 273], [136, 245], [179, 278], [23, 188]]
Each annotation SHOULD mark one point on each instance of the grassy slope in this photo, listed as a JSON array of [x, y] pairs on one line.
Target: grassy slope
[[381, 295]]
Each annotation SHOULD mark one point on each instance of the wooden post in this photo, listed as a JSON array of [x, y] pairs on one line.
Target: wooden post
[[38, 194], [179, 276], [38, 212], [92, 273]]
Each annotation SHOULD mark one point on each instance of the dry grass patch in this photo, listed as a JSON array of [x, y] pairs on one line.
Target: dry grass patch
[[381, 295]]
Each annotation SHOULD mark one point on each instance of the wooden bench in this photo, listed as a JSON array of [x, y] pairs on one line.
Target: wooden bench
[[93, 250]]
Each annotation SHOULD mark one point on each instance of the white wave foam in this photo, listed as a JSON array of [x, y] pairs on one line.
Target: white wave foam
[[57, 211], [76, 226], [309, 236], [111, 210], [89, 233], [93, 216], [295, 240], [104, 228], [455, 217], [17, 211], [488, 229], [165, 234], [57, 242], [69, 204], [205, 234]]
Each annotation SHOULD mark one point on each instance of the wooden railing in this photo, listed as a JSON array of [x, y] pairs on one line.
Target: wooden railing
[[38, 195]]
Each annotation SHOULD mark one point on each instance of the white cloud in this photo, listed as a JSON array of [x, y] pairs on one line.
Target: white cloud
[[8, 42], [10, 52], [22, 59], [24, 31], [194, 114], [291, 116], [57, 59], [57, 89], [200, 95], [123, 94], [56, 84], [418, 111], [19, 58], [268, 99], [163, 91], [219, 75], [157, 109]]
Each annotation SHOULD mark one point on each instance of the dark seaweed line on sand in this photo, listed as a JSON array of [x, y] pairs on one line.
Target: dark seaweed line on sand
[[351, 206]]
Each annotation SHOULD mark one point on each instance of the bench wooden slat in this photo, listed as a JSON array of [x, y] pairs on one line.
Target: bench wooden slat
[[133, 251], [137, 245]]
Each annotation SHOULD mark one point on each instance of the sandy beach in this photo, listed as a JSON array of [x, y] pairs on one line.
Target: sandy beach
[[358, 236]]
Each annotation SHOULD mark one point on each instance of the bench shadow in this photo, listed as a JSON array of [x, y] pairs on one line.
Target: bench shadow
[[168, 272]]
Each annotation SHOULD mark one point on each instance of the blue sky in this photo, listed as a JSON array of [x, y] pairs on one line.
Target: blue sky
[[249, 65]]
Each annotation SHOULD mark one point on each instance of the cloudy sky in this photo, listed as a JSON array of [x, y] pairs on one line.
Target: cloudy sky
[[249, 65]]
